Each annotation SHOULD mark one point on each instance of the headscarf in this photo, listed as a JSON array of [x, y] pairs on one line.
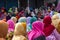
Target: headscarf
[[48, 28], [33, 19], [3, 29], [28, 20], [10, 10], [58, 7], [20, 29], [28, 23], [47, 20], [19, 38], [22, 19], [11, 25], [51, 13], [29, 26], [56, 32], [54, 20], [58, 26], [55, 13], [14, 19], [37, 30], [2, 8], [24, 25], [54, 17]]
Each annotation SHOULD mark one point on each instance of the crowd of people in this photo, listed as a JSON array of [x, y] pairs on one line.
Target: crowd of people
[[33, 24]]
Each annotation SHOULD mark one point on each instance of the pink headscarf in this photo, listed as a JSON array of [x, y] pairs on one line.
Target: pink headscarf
[[37, 30], [11, 25]]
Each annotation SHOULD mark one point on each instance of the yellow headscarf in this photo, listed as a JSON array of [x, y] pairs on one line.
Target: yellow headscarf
[[58, 25], [3, 29], [54, 20], [54, 17], [24, 25], [20, 29], [19, 38]]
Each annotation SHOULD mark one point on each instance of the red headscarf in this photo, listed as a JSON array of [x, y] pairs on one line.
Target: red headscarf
[[48, 28]]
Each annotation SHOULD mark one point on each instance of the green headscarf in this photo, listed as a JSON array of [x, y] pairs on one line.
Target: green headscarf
[[22, 19], [10, 10], [33, 19]]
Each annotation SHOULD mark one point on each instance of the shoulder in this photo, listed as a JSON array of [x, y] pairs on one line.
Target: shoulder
[[23, 38], [19, 38]]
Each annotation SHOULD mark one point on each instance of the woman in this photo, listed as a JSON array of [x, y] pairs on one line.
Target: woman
[[56, 32], [33, 19], [22, 19], [48, 28], [20, 32], [3, 30], [39, 15], [28, 23], [14, 19], [37, 31], [28, 19], [11, 25], [3, 13], [54, 20], [8, 16]]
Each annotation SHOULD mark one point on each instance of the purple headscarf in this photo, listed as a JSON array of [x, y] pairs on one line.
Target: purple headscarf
[[28, 24], [28, 20], [37, 30], [58, 6]]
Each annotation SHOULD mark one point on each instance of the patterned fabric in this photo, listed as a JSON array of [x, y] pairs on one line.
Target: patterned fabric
[[37, 30], [11, 25]]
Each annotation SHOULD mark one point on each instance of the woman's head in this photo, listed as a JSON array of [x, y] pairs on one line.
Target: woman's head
[[11, 25], [54, 20], [14, 19], [37, 30], [3, 29], [22, 19], [28, 20], [47, 20], [38, 25], [58, 25], [20, 29], [54, 17], [3, 9], [39, 14], [33, 19]]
